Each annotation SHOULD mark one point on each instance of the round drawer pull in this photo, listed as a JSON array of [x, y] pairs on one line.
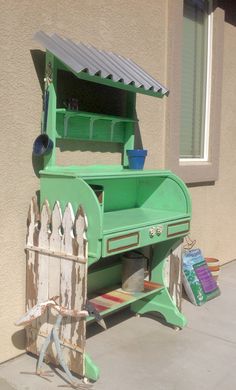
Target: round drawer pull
[[152, 232], [159, 230]]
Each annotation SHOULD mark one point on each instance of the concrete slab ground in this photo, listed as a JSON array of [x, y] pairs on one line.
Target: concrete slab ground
[[143, 353]]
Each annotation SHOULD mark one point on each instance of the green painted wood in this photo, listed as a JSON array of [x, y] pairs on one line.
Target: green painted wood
[[125, 208], [92, 371], [77, 192], [161, 303], [131, 219], [178, 228], [98, 172], [51, 63], [128, 142], [104, 277], [130, 129], [93, 127]]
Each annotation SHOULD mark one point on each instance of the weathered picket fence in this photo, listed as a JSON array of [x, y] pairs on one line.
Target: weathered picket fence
[[56, 249], [173, 274]]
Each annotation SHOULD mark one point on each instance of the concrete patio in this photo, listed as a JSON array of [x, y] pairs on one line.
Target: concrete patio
[[143, 353]]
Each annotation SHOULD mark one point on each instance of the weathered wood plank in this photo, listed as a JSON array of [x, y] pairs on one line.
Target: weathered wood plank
[[66, 271], [79, 290], [175, 275], [32, 270], [60, 247], [43, 293], [54, 253], [54, 270]]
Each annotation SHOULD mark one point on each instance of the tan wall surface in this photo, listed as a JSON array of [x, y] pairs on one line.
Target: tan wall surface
[[214, 206], [135, 29]]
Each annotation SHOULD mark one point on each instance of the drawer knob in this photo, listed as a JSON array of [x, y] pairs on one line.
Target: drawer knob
[[152, 232], [159, 230]]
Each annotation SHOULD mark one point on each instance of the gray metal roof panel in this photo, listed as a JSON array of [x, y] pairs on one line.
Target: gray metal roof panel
[[85, 58]]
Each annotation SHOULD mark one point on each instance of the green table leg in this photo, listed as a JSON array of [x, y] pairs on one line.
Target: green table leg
[[92, 372], [161, 302]]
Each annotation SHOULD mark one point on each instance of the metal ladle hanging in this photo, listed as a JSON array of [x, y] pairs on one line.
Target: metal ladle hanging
[[43, 144]]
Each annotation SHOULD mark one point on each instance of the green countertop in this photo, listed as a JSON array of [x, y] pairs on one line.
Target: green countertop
[[101, 171]]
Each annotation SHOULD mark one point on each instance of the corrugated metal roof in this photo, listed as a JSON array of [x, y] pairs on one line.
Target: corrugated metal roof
[[107, 65]]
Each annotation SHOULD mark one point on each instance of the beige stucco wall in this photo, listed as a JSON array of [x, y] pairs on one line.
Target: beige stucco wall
[[214, 207], [137, 29]]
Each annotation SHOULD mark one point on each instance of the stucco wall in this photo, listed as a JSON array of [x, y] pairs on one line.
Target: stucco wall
[[133, 29], [136, 29], [214, 207]]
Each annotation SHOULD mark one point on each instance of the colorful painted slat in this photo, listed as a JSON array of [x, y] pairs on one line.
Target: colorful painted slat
[[108, 301]]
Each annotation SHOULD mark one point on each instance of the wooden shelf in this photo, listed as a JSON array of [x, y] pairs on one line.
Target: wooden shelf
[[91, 126], [93, 115], [111, 299], [131, 218]]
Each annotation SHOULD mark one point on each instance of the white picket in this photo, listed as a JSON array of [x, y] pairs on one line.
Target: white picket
[[43, 259], [55, 245], [173, 274], [32, 271], [79, 290], [67, 270], [59, 261]]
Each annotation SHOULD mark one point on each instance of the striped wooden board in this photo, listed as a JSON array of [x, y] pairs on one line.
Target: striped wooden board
[[118, 297]]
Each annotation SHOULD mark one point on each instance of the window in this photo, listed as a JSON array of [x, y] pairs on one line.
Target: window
[[196, 77]]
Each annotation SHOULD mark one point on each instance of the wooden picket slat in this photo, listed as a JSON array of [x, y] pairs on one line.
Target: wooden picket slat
[[32, 270], [43, 295], [173, 275], [79, 290], [66, 271], [57, 253], [175, 287]]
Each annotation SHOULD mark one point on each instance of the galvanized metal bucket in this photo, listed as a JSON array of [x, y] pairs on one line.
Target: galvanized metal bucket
[[133, 264]]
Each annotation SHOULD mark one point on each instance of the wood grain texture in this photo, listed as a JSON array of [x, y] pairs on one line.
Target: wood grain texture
[[32, 270], [173, 275], [43, 282], [63, 275], [79, 287]]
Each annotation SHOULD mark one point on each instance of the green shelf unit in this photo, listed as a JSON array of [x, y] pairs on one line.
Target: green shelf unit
[[126, 209], [88, 126]]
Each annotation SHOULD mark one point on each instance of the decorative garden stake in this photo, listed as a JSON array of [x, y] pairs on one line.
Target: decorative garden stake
[[35, 313]]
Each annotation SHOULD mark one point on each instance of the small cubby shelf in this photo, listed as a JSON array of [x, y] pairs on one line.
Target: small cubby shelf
[[110, 299], [89, 126]]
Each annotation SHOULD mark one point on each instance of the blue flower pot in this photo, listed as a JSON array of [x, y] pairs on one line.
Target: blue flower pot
[[136, 158]]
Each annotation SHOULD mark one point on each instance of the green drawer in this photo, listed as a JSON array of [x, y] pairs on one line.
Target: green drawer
[[120, 243], [177, 228], [124, 241]]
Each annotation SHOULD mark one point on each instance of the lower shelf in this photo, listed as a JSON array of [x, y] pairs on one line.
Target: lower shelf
[[109, 300]]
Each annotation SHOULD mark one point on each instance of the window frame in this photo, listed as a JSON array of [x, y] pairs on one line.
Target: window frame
[[194, 170]]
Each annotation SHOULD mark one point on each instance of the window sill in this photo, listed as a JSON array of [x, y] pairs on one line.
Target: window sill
[[197, 171]]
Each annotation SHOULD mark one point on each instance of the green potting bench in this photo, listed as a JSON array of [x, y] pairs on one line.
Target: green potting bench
[[126, 209]]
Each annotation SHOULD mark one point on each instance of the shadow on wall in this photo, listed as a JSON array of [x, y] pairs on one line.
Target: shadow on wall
[[229, 6], [38, 58], [19, 339]]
